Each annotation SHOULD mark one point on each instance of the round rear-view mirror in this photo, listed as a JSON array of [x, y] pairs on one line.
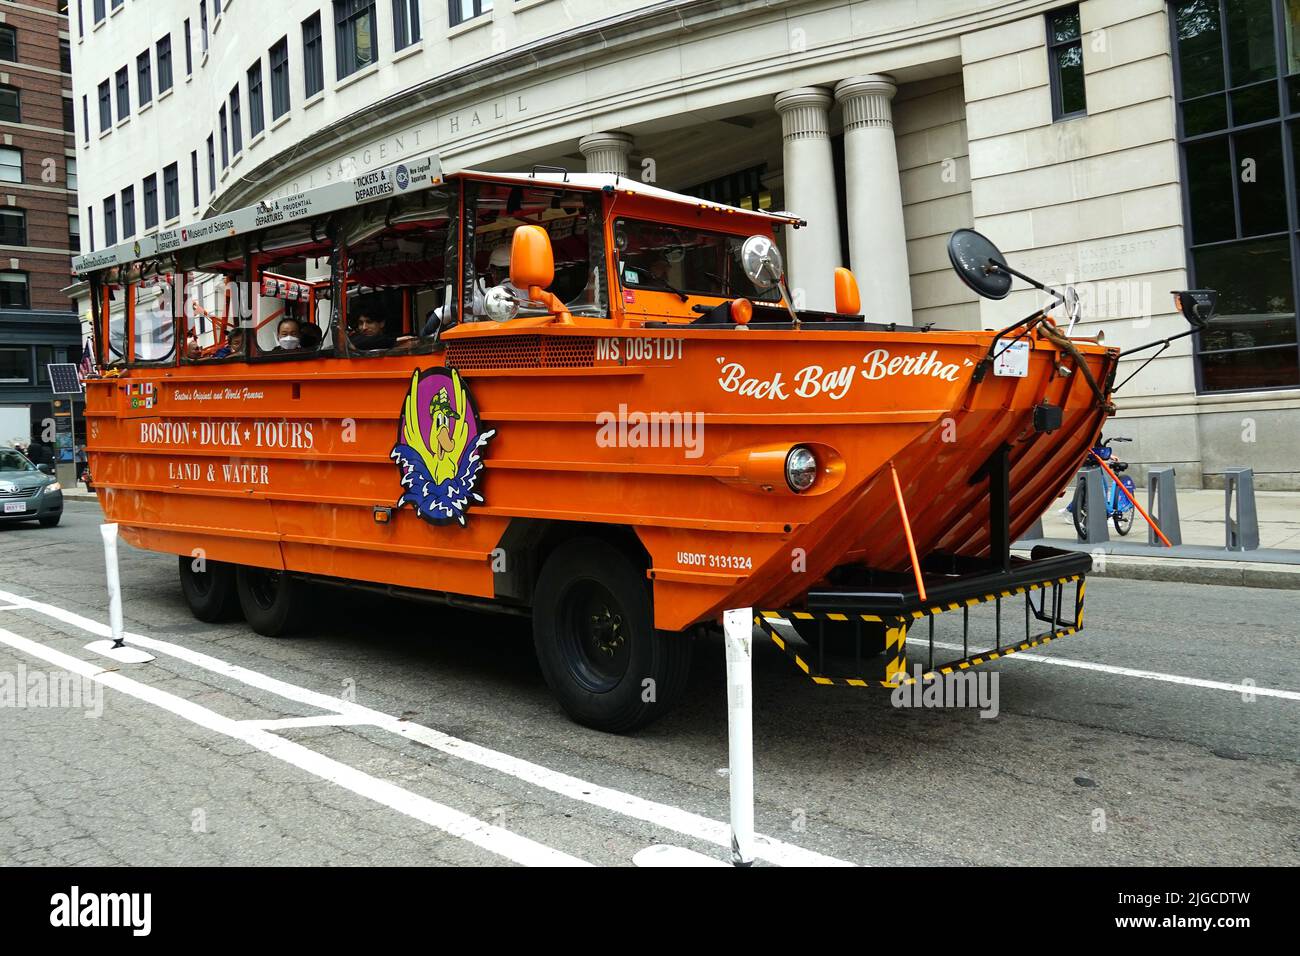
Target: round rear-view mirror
[[761, 260], [975, 261]]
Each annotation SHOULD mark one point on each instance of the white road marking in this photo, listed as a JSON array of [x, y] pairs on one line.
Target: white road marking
[[681, 821], [1121, 671], [316, 720], [513, 847], [664, 854]]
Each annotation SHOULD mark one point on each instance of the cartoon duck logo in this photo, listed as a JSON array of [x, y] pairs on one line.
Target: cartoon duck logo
[[438, 447]]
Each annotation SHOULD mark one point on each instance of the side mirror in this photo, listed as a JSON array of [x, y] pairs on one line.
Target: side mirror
[[532, 263], [979, 264], [847, 299], [45, 469], [1197, 305], [762, 262]]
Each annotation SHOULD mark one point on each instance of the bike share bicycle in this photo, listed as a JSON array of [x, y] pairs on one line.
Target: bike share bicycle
[[1119, 506]]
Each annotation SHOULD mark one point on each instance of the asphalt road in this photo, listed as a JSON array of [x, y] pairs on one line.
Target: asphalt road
[[449, 750]]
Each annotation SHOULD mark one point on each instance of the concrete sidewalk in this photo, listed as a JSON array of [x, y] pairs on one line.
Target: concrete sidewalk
[[1202, 558]]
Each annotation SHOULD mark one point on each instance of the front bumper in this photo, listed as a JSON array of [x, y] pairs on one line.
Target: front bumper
[[44, 505], [1046, 575]]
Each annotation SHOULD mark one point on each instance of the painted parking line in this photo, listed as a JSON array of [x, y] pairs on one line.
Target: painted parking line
[[1125, 671], [494, 839], [669, 817]]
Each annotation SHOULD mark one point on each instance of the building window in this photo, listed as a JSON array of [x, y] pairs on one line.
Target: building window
[[462, 10], [14, 293], [406, 23], [280, 78], [236, 123], [256, 116], [143, 78], [74, 232], [13, 227], [1065, 63], [194, 176], [65, 56], [11, 165], [15, 363], [90, 221], [150, 201], [71, 174], [128, 212], [172, 191], [100, 12], [11, 108], [216, 8], [203, 25], [85, 119], [118, 3], [123, 95], [189, 50], [81, 26], [1239, 128], [354, 35], [8, 43], [105, 107], [69, 115], [212, 167], [313, 57], [225, 137], [164, 49], [110, 220]]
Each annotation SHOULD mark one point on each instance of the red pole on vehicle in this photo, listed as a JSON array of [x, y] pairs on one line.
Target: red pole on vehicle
[[1120, 485]]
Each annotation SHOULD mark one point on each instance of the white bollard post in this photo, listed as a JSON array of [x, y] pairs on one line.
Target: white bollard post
[[109, 532], [738, 636]]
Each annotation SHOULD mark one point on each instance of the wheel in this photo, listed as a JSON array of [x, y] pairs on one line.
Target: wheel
[[1124, 521], [50, 521], [1081, 510], [274, 602], [210, 593], [593, 628]]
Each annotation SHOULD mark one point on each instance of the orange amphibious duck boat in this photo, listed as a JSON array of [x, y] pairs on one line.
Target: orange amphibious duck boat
[[623, 434]]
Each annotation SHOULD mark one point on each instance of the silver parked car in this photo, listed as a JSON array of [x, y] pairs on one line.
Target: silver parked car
[[28, 492]]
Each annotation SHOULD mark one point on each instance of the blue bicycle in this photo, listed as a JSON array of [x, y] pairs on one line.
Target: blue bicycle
[[1119, 507]]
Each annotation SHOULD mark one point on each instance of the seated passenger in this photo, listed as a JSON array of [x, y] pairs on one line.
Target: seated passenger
[[312, 336], [288, 335], [234, 344], [370, 334]]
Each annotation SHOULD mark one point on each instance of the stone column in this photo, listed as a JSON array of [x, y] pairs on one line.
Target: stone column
[[606, 152], [814, 249], [877, 238]]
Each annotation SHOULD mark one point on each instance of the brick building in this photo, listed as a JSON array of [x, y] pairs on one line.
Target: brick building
[[39, 227]]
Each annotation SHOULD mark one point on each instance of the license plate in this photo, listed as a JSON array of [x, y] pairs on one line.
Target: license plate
[[15, 507], [1013, 360]]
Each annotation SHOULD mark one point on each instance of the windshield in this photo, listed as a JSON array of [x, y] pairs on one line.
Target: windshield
[[11, 460], [679, 259]]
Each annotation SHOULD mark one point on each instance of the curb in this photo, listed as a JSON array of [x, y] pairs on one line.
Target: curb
[[1246, 574]]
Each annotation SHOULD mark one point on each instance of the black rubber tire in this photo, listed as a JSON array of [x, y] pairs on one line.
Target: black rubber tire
[[1081, 510], [274, 603], [585, 575], [210, 593], [50, 522], [1124, 521]]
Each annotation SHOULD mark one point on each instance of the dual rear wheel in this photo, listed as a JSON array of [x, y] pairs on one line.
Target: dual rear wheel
[[593, 628]]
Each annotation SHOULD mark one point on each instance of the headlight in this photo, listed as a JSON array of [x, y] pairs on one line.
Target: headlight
[[52, 486], [800, 468]]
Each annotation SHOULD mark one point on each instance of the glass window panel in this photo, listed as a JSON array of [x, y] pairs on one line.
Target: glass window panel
[[1065, 25], [1252, 52], [1261, 181], [1255, 104], [1200, 47], [1209, 190], [1070, 66], [1253, 280], [1257, 368]]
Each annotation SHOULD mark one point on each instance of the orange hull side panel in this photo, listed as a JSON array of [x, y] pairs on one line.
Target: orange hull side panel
[[283, 464]]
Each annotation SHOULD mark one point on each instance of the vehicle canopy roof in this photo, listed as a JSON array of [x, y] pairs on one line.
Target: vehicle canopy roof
[[399, 179]]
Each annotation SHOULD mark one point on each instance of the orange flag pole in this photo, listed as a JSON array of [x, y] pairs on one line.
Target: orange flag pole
[[907, 533], [1120, 485]]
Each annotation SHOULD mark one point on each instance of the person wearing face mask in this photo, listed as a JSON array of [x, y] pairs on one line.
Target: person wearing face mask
[[288, 336]]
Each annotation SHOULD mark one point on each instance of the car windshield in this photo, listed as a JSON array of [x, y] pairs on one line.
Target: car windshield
[[11, 460], [657, 256]]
